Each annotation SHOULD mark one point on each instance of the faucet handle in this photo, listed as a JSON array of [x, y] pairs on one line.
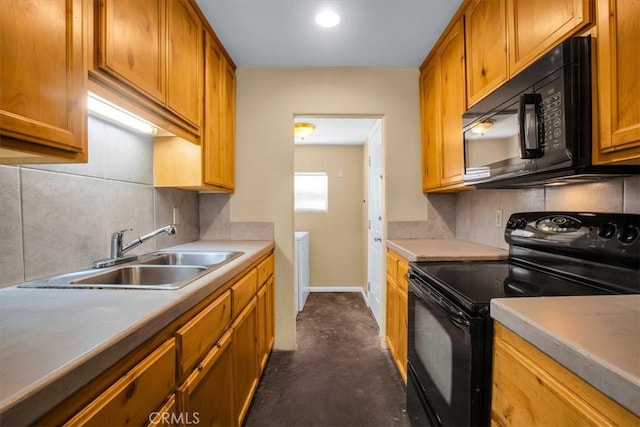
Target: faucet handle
[[120, 233]]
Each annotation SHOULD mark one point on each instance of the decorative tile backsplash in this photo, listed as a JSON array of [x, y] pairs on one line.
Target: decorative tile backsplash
[[475, 210], [58, 218]]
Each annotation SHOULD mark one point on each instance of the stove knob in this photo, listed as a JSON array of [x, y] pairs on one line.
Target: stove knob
[[607, 230], [521, 223], [511, 224], [628, 235]]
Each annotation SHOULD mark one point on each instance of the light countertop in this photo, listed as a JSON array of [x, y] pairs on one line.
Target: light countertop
[[445, 250], [54, 341], [595, 337]]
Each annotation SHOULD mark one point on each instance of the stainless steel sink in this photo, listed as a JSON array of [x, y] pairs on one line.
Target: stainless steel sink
[[158, 270], [142, 276], [205, 259]]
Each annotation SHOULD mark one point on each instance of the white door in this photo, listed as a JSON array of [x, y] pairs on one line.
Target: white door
[[302, 267], [374, 250]]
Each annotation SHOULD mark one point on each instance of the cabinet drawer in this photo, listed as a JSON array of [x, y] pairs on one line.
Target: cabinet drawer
[[243, 291], [165, 416], [265, 270], [136, 395], [196, 337]]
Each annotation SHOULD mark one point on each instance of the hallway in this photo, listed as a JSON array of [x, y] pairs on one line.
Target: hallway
[[338, 377]]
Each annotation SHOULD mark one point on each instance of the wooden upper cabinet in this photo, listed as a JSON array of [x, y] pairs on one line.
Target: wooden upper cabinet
[[132, 44], [486, 47], [219, 133], [147, 57], [537, 26], [43, 84], [184, 62], [450, 56], [228, 122], [618, 65], [430, 124]]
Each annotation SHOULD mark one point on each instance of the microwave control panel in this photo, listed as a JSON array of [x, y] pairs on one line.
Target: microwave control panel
[[551, 127]]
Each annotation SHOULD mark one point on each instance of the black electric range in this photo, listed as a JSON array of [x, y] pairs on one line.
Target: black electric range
[[450, 332]]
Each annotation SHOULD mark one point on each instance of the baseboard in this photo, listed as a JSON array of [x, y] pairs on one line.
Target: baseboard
[[339, 289]]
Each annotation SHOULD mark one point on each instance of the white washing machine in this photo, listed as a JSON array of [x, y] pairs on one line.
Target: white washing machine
[[302, 269]]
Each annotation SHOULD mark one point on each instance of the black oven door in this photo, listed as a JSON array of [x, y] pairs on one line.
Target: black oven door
[[448, 361]]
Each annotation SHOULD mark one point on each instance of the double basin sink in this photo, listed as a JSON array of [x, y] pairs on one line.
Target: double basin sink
[[157, 270]]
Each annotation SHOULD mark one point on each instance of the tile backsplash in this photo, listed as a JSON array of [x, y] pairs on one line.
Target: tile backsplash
[[475, 210], [58, 218]]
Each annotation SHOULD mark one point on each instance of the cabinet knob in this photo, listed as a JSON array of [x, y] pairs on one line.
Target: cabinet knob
[[200, 367]]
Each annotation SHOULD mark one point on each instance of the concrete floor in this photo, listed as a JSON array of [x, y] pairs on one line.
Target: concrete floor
[[338, 377]]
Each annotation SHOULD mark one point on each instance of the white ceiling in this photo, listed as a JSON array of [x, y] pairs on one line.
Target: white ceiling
[[371, 33], [336, 131]]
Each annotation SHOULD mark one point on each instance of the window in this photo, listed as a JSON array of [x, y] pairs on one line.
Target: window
[[311, 191]]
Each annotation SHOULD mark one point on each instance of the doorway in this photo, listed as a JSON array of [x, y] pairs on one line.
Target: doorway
[[345, 234]]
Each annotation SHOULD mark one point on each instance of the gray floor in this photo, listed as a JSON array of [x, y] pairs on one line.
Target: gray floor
[[338, 377]]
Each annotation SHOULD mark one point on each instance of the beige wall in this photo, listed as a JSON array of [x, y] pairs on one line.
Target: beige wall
[[337, 255], [267, 100]]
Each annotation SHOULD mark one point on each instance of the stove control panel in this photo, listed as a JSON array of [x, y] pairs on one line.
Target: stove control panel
[[602, 236]]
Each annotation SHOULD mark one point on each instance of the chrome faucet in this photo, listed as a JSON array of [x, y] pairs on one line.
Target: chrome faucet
[[118, 249]]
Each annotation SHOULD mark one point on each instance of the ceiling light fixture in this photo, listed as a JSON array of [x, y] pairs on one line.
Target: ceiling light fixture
[[482, 127], [327, 19], [111, 112], [303, 130]]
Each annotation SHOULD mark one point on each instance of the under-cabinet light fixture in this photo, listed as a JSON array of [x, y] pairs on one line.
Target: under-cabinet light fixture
[[105, 109]]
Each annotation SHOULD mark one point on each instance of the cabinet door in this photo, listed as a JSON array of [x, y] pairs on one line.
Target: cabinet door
[[228, 122], [206, 397], [212, 136], [403, 325], [430, 126], [537, 26], [486, 47], [245, 359], [132, 44], [453, 104], [184, 62], [392, 316], [530, 388], [132, 399], [43, 85], [263, 352], [271, 319], [618, 89], [166, 416]]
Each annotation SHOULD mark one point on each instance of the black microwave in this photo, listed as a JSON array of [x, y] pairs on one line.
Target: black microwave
[[535, 129]]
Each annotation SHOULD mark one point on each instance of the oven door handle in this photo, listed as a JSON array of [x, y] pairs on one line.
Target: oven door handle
[[456, 316]]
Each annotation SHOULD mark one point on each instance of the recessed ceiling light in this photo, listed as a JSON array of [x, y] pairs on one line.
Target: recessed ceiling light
[[327, 19]]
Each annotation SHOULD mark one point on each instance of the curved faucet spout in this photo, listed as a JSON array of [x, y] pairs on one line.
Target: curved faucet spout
[[168, 229]]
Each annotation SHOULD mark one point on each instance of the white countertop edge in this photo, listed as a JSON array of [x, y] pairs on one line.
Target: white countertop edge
[[33, 401], [401, 251], [603, 376]]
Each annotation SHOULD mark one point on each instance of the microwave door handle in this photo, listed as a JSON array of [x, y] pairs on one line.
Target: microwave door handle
[[531, 139]]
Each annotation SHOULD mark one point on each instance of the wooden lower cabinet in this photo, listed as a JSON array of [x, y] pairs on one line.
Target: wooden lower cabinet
[[133, 399], [531, 389], [206, 397], [203, 369], [245, 359], [397, 310]]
